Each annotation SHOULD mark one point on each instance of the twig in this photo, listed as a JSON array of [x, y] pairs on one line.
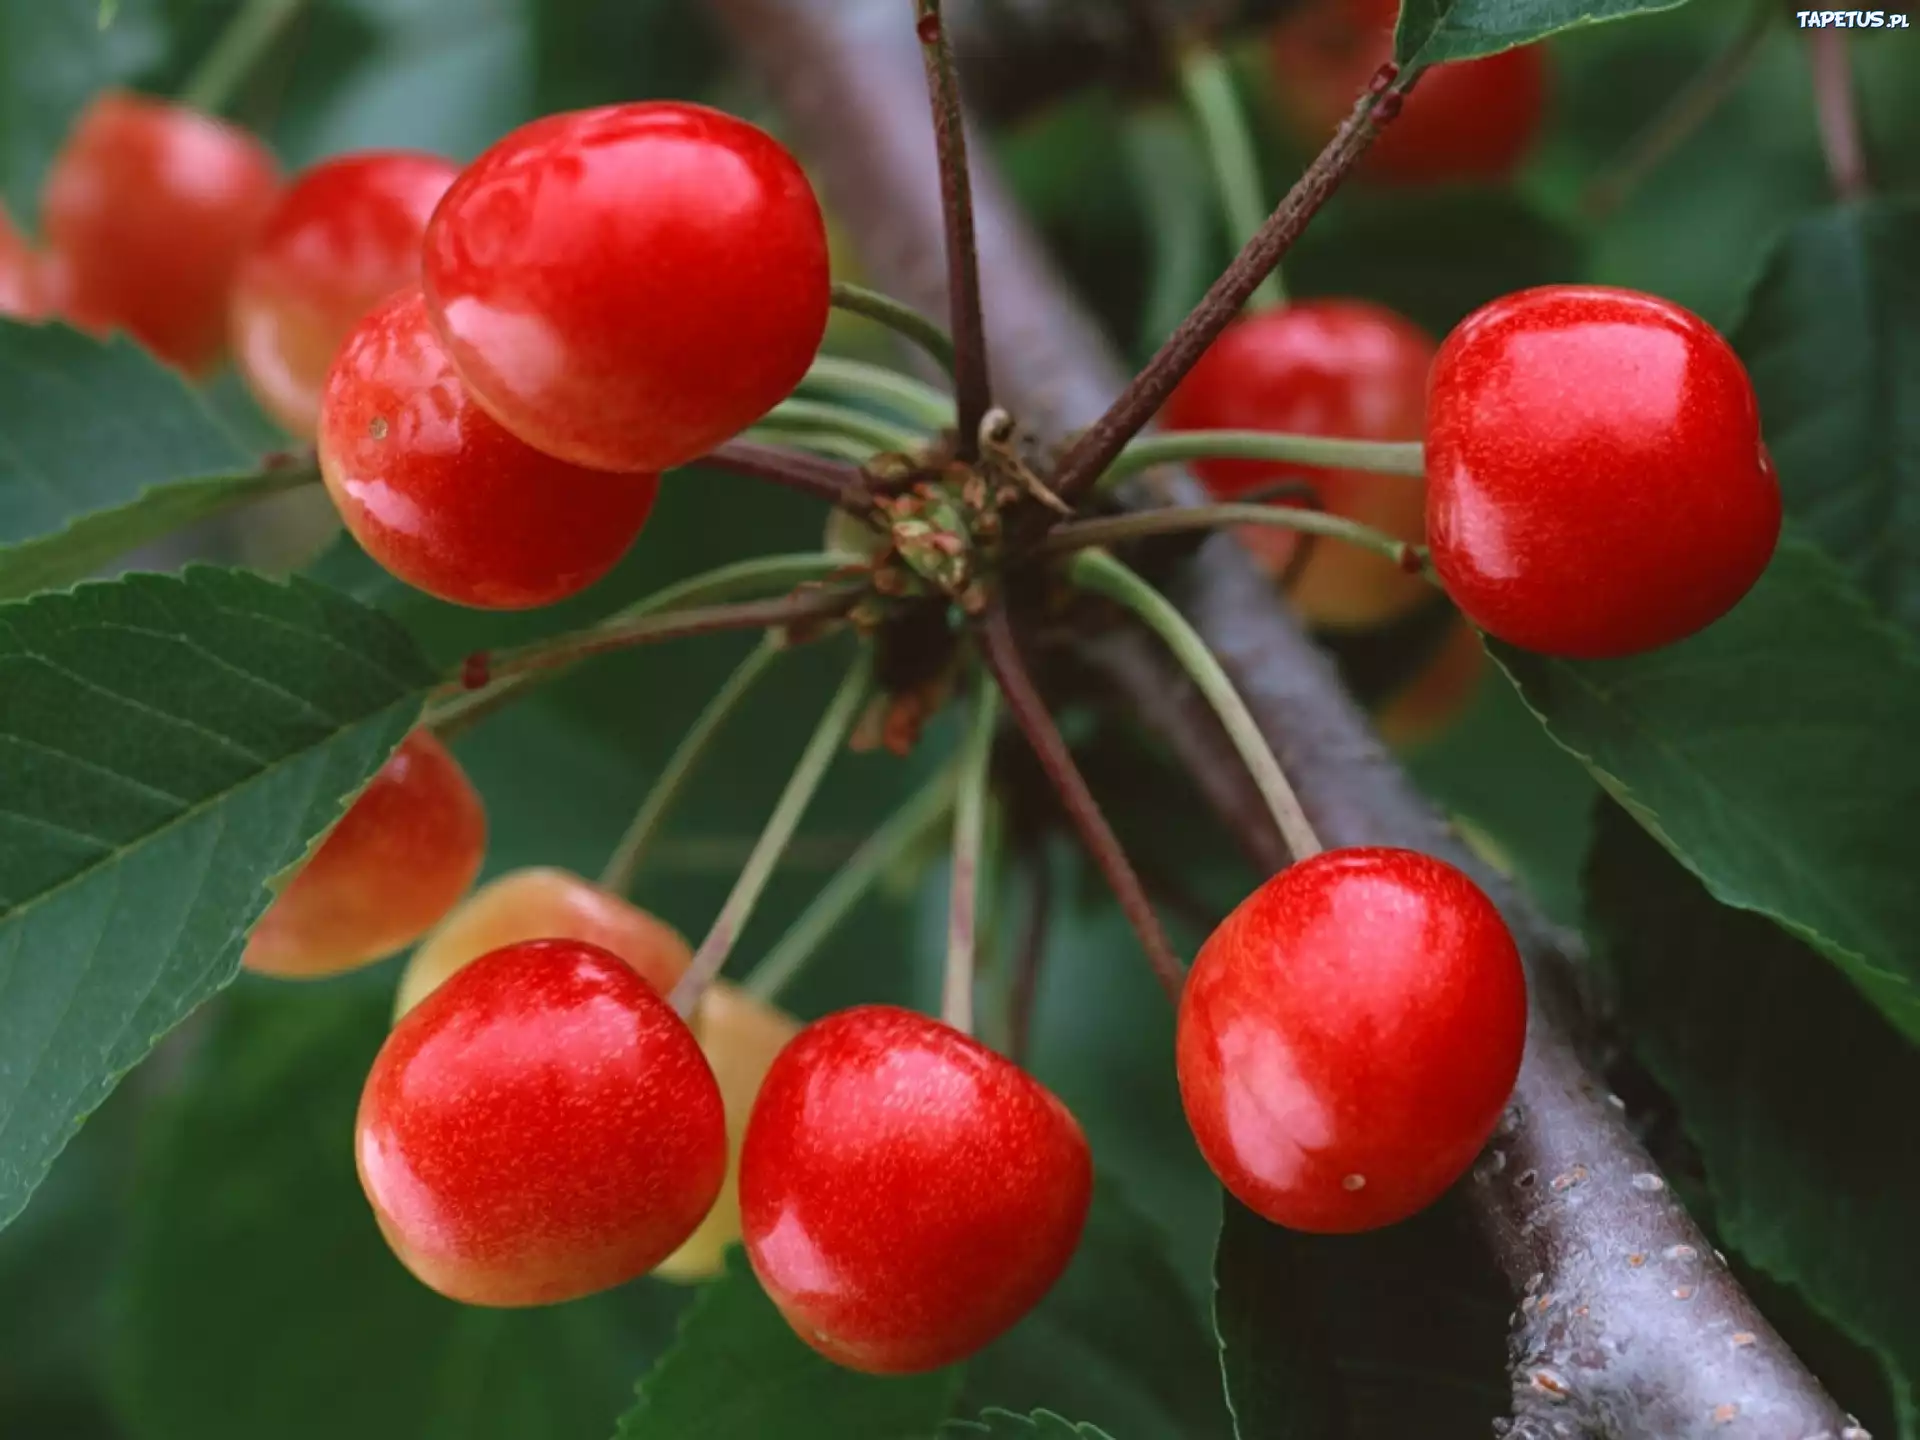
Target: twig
[[973, 391], [1175, 520], [1100, 445], [1024, 983], [823, 479], [624, 864], [1381, 457], [1838, 115], [903, 320], [1002, 653], [828, 738], [1099, 572], [969, 834]]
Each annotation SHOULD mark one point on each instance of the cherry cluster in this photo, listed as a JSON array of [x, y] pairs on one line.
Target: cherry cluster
[[498, 362]]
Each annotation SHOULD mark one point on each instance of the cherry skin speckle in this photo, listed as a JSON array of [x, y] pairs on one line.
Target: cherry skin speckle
[[906, 1194], [403, 854], [629, 286], [1320, 367], [1467, 120], [147, 211], [1596, 481], [540, 1128], [1348, 1038], [342, 237], [439, 494]]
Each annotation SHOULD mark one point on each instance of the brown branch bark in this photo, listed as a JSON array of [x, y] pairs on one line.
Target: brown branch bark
[[828, 480], [1627, 1324]]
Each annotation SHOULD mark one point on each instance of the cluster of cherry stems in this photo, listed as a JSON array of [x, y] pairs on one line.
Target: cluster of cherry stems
[[498, 362]]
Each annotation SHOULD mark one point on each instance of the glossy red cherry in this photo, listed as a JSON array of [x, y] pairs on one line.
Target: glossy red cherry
[[403, 854], [1596, 483], [1320, 367], [437, 492], [148, 208], [906, 1194], [343, 237], [628, 287], [20, 285], [1348, 1038], [1470, 120], [539, 1128]]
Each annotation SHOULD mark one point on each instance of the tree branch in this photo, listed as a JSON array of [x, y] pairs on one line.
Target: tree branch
[[1559, 1195]]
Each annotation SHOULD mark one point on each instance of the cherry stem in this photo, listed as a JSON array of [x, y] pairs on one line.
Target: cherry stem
[[1689, 108], [246, 39], [813, 442], [973, 390], [1078, 535], [1001, 650], [1099, 572], [812, 415], [468, 707], [1839, 117], [902, 833], [828, 739], [855, 379], [902, 319], [1316, 451], [1166, 167], [1024, 983], [1098, 447], [826, 480], [1208, 82], [624, 864], [969, 837]]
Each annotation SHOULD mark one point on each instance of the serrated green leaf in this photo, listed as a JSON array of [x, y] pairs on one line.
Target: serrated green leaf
[[1040, 1425], [1832, 340], [54, 54], [261, 1300], [1433, 31], [167, 745], [737, 1370], [1119, 1339], [1791, 1088], [1398, 1332], [1773, 755], [102, 448]]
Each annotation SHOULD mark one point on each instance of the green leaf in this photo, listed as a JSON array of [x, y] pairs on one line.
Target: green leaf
[[1792, 1089], [738, 1370], [167, 746], [1040, 1425], [261, 1300], [1433, 31], [1832, 340], [1773, 755], [1398, 1332], [104, 449], [1118, 1340], [53, 57]]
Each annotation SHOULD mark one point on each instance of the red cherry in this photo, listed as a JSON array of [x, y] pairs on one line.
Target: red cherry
[[906, 1194], [1320, 367], [443, 497], [1470, 120], [628, 287], [400, 858], [148, 209], [1596, 483], [1348, 1038], [343, 237], [20, 285], [541, 1127]]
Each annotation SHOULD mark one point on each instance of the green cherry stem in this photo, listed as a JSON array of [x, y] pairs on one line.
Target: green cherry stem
[[1170, 176], [817, 415], [969, 840], [900, 318], [855, 379], [1099, 572], [1210, 91], [248, 37], [828, 739], [624, 865], [1175, 520], [815, 442], [1379, 457], [901, 833]]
